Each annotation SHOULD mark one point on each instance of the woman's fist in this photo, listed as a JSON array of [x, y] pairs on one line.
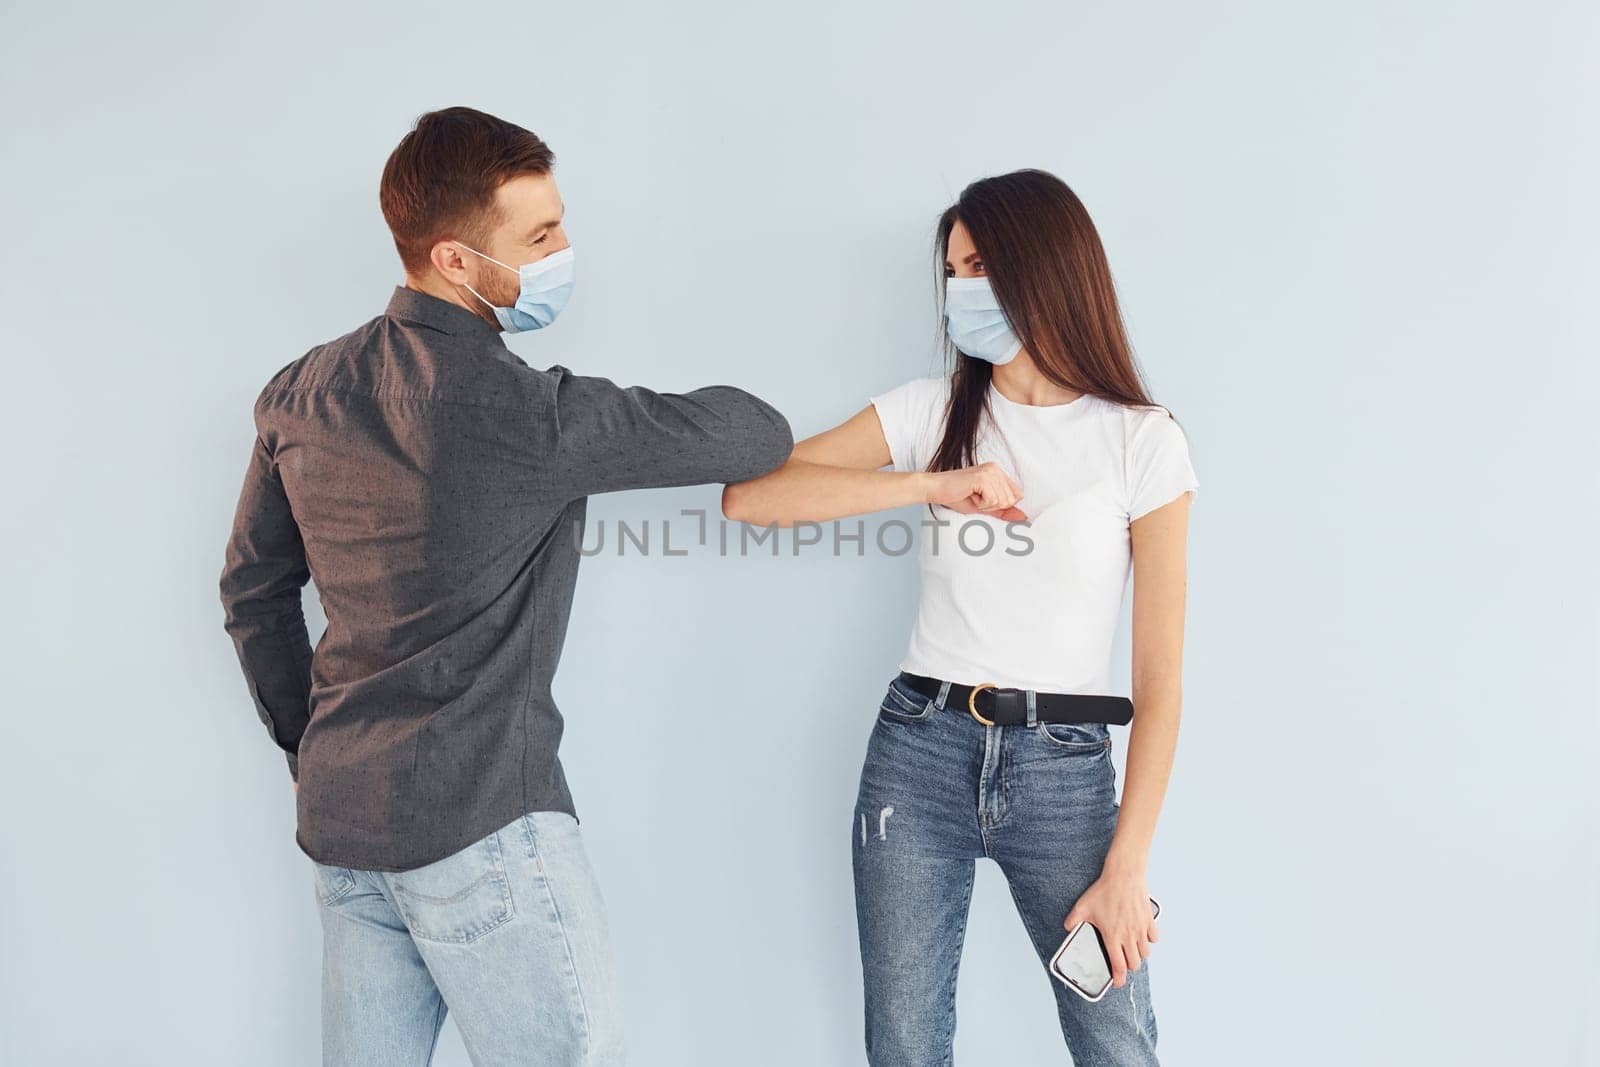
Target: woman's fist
[[984, 489]]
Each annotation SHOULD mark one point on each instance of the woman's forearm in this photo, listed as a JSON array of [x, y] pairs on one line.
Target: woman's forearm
[[1159, 590], [800, 491], [1152, 742]]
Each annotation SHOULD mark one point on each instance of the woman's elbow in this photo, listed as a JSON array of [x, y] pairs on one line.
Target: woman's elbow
[[737, 504]]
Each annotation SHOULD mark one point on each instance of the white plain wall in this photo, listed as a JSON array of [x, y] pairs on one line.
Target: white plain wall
[[1356, 245]]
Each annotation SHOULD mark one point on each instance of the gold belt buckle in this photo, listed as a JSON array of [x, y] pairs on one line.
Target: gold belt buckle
[[972, 701]]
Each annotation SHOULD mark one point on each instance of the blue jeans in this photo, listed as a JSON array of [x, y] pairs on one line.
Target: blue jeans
[[940, 790], [509, 934]]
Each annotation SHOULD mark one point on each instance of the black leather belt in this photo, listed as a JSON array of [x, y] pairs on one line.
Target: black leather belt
[[994, 706]]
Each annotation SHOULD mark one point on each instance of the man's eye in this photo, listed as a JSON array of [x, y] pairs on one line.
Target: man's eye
[[540, 239]]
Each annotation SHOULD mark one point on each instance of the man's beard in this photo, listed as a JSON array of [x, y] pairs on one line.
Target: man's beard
[[499, 286]]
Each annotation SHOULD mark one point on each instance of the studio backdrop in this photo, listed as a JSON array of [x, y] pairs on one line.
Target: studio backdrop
[[1355, 245]]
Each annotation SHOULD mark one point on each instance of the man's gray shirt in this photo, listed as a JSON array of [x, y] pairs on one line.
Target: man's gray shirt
[[431, 484]]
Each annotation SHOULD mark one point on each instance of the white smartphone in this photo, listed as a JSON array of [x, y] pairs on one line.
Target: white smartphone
[[1081, 963]]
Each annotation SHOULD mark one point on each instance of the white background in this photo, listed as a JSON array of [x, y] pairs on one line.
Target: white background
[[1356, 245]]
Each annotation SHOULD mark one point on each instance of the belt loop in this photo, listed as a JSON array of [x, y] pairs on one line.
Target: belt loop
[[1033, 709], [944, 693]]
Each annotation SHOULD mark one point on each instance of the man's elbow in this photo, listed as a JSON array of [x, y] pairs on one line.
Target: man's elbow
[[772, 449], [228, 596], [752, 439], [243, 607]]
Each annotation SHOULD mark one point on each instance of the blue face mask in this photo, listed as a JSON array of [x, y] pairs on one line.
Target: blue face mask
[[546, 287], [975, 322]]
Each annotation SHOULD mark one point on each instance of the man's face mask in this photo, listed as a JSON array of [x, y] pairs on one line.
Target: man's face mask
[[546, 288], [975, 322]]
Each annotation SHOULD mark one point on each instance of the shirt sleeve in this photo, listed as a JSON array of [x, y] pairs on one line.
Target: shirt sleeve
[[910, 414], [1158, 467], [263, 573], [610, 438]]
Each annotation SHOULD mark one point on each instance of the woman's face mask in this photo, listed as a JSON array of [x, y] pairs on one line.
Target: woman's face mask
[[546, 288], [975, 322]]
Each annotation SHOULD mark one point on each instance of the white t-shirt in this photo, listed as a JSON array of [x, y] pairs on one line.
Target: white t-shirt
[[1034, 607]]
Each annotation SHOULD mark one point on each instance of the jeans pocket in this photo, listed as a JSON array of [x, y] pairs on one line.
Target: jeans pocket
[[333, 883], [457, 899], [1085, 737], [903, 704]]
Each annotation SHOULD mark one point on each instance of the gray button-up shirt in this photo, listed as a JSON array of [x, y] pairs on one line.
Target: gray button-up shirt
[[432, 485]]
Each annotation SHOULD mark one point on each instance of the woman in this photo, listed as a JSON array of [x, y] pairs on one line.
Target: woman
[[989, 742]]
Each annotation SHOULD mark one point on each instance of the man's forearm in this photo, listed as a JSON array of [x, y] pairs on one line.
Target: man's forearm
[[262, 574], [274, 653]]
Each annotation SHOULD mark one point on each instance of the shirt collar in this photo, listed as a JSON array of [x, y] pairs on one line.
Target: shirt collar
[[417, 306]]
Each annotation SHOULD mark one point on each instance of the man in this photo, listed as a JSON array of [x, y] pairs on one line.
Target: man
[[432, 484]]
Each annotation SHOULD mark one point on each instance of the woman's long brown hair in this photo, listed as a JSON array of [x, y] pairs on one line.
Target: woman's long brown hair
[[1045, 262]]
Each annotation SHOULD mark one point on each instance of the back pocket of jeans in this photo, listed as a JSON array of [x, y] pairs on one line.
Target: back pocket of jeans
[[333, 883], [457, 899]]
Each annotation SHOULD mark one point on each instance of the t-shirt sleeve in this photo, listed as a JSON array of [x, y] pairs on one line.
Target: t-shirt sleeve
[[1158, 467], [912, 416]]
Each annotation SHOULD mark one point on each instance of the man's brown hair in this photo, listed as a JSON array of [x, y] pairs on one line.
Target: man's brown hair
[[440, 180]]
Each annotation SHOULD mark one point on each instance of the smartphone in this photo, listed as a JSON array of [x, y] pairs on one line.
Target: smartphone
[[1081, 963]]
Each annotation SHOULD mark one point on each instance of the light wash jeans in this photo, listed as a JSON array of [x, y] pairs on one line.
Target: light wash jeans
[[509, 934], [939, 791]]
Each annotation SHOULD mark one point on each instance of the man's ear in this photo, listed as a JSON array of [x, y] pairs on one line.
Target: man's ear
[[449, 261]]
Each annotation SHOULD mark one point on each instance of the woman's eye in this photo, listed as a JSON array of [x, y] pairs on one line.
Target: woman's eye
[[540, 239]]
